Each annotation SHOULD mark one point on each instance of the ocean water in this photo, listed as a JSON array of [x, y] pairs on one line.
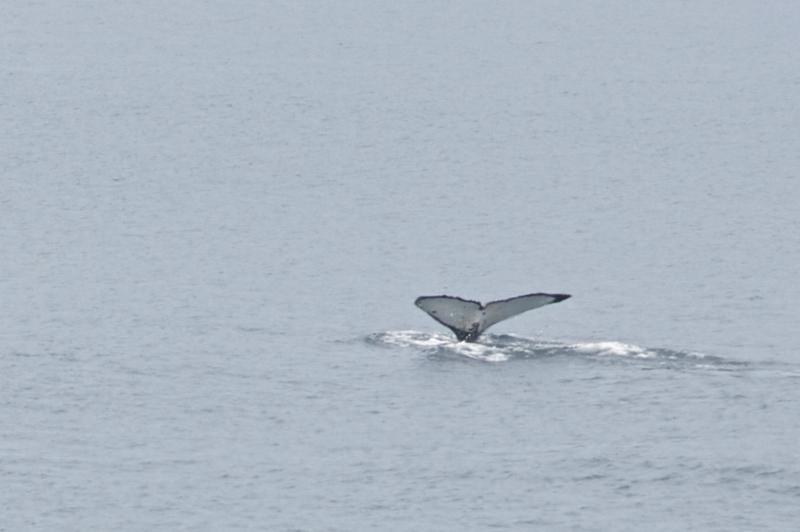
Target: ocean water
[[215, 218]]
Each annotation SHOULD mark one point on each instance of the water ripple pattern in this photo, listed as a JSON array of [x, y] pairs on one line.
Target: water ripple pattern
[[508, 347]]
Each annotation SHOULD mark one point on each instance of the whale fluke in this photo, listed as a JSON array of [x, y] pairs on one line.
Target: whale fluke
[[469, 319]]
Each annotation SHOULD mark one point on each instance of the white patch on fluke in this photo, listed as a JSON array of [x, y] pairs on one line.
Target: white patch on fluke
[[469, 319]]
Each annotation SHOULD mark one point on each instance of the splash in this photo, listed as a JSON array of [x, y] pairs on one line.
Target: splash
[[438, 344], [613, 349], [502, 348]]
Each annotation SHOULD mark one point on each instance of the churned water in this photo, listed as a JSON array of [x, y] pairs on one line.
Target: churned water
[[216, 217]]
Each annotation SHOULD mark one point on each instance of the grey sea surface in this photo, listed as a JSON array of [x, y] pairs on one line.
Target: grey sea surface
[[215, 217]]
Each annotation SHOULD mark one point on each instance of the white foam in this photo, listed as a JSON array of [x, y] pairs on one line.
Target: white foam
[[506, 347], [412, 339], [479, 352], [613, 349], [428, 341]]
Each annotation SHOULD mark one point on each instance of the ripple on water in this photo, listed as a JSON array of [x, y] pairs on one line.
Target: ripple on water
[[505, 347]]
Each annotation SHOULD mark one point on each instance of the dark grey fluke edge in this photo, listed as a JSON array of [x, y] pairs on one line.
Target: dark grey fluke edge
[[472, 334]]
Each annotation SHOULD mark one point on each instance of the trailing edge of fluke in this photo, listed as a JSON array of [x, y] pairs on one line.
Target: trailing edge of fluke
[[469, 319]]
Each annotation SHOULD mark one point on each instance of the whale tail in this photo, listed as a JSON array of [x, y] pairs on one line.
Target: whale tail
[[469, 319]]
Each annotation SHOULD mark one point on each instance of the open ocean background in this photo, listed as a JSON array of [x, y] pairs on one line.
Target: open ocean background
[[215, 218]]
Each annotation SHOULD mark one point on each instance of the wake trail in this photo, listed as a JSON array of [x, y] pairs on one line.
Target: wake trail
[[506, 347]]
